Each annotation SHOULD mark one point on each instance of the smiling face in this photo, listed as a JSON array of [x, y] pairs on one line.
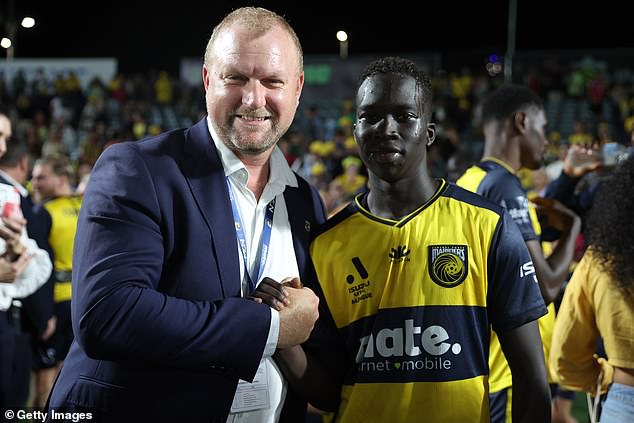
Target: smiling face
[[391, 130], [253, 82]]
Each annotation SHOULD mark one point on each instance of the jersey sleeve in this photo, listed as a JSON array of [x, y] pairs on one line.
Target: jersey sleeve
[[509, 194], [514, 297]]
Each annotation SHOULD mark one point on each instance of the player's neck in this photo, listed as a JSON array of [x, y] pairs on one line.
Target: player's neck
[[397, 200], [509, 156]]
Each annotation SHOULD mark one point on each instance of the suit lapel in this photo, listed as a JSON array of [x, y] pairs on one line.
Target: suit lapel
[[302, 215], [205, 175]]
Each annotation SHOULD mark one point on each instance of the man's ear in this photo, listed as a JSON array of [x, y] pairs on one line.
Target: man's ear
[[23, 164], [431, 133], [519, 122], [206, 77]]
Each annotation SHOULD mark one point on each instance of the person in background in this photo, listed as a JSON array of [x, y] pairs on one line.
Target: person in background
[[53, 185], [598, 303], [175, 232], [411, 277], [582, 171], [514, 124], [24, 267], [351, 180], [37, 317]]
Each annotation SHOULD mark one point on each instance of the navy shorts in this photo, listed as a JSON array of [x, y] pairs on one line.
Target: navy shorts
[[47, 354]]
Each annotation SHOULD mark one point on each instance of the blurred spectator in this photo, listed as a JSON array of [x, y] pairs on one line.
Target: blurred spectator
[[68, 136], [352, 182], [598, 303], [53, 185], [117, 88], [313, 124], [54, 146], [164, 89], [596, 87], [580, 134], [333, 197]]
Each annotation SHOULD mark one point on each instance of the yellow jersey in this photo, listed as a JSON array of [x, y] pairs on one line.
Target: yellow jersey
[[409, 304]]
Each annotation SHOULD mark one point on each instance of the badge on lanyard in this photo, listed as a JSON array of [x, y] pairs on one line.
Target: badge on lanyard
[[252, 396]]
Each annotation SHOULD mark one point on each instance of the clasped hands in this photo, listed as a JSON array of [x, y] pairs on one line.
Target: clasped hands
[[297, 307]]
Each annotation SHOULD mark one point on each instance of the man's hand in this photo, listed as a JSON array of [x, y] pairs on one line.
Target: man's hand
[[11, 230], [10, 270], [298, 318], [581, 160], [297, 307], [271, 293]]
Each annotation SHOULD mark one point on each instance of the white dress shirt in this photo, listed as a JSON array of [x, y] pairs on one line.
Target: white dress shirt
[[280, 262]]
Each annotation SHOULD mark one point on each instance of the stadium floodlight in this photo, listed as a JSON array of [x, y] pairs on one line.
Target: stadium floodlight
[[342, 36], [28, 22], [10, 25]]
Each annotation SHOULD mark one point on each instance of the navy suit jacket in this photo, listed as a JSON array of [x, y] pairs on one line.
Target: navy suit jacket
[[161, 333]]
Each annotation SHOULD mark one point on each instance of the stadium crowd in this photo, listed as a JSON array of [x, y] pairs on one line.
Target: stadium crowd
[[586, 102]]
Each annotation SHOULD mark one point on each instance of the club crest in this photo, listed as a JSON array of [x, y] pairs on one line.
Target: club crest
[[448, 264]]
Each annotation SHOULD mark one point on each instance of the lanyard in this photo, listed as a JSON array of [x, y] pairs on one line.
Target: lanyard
[[242, 240]]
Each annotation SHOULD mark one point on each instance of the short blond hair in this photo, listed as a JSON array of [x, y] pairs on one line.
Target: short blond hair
[[258, 21]]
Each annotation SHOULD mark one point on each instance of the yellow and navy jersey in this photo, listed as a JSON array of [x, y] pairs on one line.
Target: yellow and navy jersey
[[496, 181], [407, 305], [64, 212]]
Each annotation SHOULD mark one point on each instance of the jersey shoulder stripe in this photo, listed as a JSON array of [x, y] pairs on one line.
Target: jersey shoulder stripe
[[461, 194]]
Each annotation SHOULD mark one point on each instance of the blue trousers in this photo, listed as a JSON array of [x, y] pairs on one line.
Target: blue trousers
[[618, 406]]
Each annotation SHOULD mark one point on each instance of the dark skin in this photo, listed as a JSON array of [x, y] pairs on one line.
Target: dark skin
[[393, 136], [393, 132], [520, 141], [273, 293]]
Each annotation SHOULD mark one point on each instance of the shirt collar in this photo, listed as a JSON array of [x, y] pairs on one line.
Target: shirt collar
[[23, 192], [499, 162], [281, 174]]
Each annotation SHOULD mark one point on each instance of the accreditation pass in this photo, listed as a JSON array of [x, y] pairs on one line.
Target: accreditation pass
[[254, 395]]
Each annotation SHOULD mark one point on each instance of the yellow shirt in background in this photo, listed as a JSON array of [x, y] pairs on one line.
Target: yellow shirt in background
[[592, 307]]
